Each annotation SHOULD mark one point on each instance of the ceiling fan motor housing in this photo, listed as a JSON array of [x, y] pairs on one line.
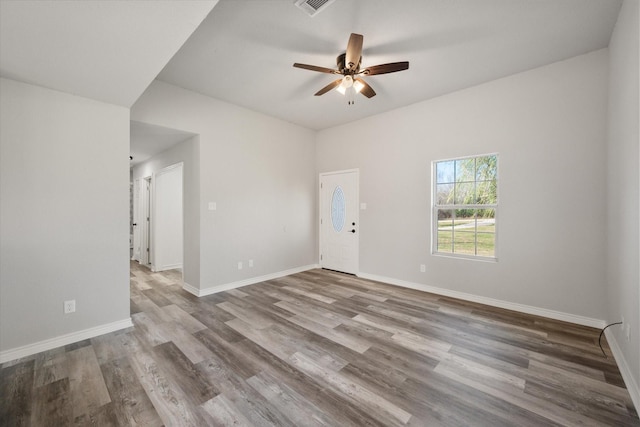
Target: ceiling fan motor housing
[[342, 66]]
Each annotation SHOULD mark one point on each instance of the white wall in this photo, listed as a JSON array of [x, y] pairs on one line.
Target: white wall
[[549, 127], [260, 172], [187, 153], [167, 219], [63, 214], [623, 190]]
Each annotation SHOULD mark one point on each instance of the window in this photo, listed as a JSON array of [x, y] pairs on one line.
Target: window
[[465, 206]]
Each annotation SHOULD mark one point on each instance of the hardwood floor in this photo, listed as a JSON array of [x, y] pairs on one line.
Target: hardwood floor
[[318, 349]]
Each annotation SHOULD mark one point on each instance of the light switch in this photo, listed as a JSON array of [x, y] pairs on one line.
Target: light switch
[[212, 206]]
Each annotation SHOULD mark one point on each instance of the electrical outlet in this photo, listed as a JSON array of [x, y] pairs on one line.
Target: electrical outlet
[[250, 263], [423, 268], [69, 306], [239, 265]]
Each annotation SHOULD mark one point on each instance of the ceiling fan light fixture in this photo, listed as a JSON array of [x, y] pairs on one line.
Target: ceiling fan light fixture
[[347, 81], [357, 86], [341, 89]]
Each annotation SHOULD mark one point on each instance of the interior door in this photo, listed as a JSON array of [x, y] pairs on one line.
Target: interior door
[[137, 223], [339, 226], [145, 249]]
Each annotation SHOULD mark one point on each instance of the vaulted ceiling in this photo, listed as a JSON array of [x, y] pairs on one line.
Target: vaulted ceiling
[[244, 50], [109, 51]]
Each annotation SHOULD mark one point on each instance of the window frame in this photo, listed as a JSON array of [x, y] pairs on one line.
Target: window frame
[[435, 208]]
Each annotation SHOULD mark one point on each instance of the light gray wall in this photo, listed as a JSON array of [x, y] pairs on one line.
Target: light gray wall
[[186, 152], [549, 127], [260, 171], [623, 190], [63, 213]]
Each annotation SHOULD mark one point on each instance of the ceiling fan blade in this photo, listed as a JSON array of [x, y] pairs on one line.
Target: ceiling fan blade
[[354, 51], [328, 87], [366, 89], [392, 67], [316, 68]]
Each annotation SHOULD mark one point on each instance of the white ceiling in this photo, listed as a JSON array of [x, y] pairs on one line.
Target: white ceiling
[[105, 50], [244, 50], [148, 140]]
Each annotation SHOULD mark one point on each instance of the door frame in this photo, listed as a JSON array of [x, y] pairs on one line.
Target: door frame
[[357, 214]]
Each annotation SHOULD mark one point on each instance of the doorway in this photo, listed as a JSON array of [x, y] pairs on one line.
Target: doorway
[[142, 221], [339, 221], [167, 222], [158, 219]]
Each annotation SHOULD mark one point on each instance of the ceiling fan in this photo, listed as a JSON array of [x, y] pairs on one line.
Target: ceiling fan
[[349, 67]]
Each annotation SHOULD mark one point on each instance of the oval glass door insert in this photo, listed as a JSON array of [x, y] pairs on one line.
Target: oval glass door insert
[[338, 209]]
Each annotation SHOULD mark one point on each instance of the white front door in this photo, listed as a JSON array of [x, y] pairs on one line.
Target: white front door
[[339, 226]]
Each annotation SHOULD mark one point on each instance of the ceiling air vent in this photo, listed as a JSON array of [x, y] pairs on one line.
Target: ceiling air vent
[[312, 7]]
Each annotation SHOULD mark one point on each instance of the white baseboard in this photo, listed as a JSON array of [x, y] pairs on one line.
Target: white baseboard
[[551, 314], [191, 289], [625, 370], [251, 281], [167, 267], [28, 350]]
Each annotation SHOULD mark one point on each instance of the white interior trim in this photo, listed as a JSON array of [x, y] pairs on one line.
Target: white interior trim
[[551, 314], [28, 350], [251, 281], [625, 370], [177, 266]]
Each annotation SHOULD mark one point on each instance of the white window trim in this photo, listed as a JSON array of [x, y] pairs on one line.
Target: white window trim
[[434, 212]]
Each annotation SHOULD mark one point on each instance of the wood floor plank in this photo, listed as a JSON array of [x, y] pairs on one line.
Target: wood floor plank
[[131, 405], [215, 323], [16, 393], [351, 391], [184, 373], [249, 316], [244, 397], [50, 366], [349, 341], [114, 346], [222, 413], [328, 400], [300, 410], [542, 408], [325, 318], [164, 393], [188, 344], [319, 348], [226, 354], [87, 389], [51, 404], [184, 319]]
